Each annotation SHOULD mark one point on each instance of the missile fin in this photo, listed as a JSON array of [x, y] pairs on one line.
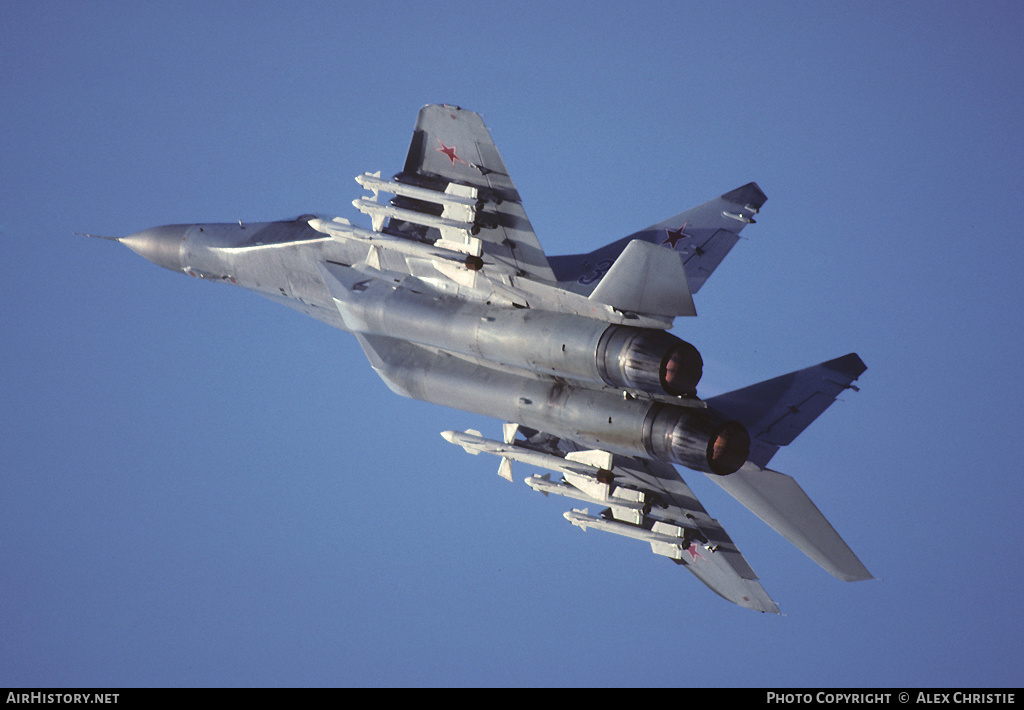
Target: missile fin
[[593, 457], [505, 469], [373, 258], [456, 272], [509, 430]]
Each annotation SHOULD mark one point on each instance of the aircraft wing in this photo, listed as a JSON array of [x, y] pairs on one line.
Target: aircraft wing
[[704, 235], [717, 563], [453, 146], [645, 500], [701, 237]]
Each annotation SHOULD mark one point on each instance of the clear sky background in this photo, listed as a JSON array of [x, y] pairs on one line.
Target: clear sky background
[[200, 487]]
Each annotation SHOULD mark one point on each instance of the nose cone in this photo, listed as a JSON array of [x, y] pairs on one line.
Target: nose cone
[[161, 245]]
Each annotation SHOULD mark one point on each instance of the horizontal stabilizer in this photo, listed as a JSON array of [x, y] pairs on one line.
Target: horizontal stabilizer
[[779, 501], [648, 279], [775, 411]]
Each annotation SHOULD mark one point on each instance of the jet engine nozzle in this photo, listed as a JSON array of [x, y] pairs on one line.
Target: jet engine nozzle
[[698, 441], [649, 360]]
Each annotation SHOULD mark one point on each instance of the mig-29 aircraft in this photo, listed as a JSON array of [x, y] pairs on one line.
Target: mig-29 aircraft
[[454, 302]]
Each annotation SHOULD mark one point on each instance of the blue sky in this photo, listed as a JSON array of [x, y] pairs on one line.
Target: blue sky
[[200, 487]]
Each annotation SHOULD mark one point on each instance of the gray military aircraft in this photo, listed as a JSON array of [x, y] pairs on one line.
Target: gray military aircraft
[[454, 302]]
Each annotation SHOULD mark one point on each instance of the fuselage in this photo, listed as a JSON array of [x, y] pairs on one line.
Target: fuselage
[[614, 387]]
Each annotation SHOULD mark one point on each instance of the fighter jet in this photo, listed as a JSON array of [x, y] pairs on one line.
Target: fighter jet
[[454, 302]]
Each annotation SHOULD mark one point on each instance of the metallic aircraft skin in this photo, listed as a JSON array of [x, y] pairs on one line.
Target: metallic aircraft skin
[[454, 302]]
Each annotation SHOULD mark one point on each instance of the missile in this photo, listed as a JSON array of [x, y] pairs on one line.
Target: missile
[[666, 539], [586, 474], [340, 228], [579, 462], [626, 504], [453, 232], [475, 444], [460, 202]]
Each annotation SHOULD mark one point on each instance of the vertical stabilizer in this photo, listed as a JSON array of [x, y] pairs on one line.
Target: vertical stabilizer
[[647, 279]]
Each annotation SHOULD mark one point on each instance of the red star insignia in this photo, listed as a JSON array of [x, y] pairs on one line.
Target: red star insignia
[[449, 151], [694, 554], [672, 236]]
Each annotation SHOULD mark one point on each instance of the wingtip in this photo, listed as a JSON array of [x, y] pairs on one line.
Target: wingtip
[[749, 194], [850, 365]]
